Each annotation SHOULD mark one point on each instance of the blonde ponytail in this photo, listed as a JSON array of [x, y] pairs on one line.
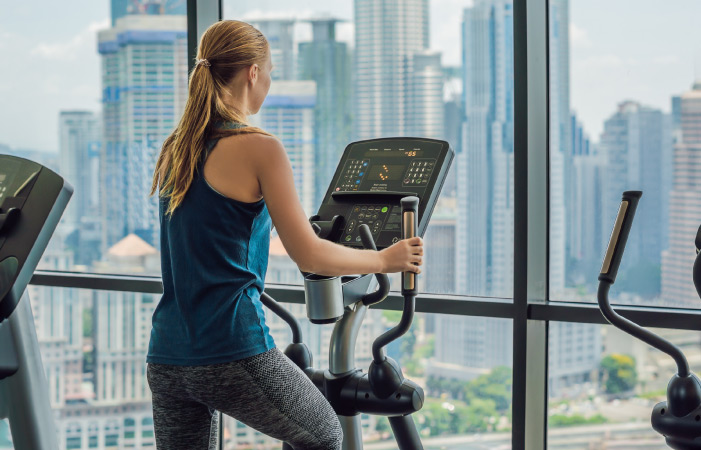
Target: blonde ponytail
[[228, 47]]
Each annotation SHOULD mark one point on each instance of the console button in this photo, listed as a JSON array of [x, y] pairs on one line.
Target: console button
[[351, 226]]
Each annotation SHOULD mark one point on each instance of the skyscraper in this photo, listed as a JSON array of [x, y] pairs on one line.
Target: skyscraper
[[328, 63], [288, 113], [684, 206], [387, 35], [79, 133], [560, 141], [79, 152], [120, 8], [280, 36], [585, 215], [144, 88], [637, 145], [485, 165], [426, 108]]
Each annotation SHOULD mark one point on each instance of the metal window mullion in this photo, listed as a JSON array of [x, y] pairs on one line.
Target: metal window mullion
[[200, 15], [531, 223]]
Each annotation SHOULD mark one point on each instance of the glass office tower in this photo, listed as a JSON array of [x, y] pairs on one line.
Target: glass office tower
[[144, 88]]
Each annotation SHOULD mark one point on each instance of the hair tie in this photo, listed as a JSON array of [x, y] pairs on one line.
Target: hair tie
[[202, 61]]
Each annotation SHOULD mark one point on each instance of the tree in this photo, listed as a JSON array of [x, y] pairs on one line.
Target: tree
[[618, 373], [495, 386]]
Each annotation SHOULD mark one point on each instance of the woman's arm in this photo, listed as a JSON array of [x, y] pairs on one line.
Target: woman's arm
[[311, 253]]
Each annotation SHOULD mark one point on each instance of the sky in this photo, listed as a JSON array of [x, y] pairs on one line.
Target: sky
[[644, 50]]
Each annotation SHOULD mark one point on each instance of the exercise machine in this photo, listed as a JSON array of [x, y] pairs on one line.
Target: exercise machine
[[32, 200], [679, 418], [383, 190]]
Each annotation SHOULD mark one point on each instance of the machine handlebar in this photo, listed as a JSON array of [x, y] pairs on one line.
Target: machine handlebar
[[609, 269], [619, 236], [382, 279], [410, 224]]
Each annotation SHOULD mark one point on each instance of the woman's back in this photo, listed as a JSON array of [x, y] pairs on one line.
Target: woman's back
[[214, 258]]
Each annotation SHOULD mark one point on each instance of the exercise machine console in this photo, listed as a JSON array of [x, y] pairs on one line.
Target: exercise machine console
[[679, 418], [383, 190], [32, 200]]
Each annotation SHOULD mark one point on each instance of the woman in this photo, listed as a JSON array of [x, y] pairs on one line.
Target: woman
[[220, 182]]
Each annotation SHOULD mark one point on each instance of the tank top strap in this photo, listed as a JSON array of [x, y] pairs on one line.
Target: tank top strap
[[220, 125]]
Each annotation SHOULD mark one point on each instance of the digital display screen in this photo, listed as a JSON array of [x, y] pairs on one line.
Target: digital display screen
[[386, 172]]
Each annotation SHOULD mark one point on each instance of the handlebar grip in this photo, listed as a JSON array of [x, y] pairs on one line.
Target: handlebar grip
[[619, 236], [410, 220], [382, 279]]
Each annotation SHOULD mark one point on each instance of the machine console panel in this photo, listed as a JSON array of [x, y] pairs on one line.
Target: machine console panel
[[32, 199], [371, 179]]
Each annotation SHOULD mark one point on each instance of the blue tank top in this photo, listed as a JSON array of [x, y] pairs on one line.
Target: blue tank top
[[214, 255]]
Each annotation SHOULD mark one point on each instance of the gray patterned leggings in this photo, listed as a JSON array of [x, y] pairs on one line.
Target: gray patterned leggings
[[266, 392]]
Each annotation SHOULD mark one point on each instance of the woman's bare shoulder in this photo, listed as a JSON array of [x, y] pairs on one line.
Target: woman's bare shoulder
[[257, 147]]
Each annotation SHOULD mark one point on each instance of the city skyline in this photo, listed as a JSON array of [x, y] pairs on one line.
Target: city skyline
[[473, 252], [649, 69]]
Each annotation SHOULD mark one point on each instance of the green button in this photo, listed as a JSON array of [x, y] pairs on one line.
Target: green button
[[384, 209], [348, 238]]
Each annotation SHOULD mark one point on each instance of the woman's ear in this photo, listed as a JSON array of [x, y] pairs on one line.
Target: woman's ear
[[253, 73]]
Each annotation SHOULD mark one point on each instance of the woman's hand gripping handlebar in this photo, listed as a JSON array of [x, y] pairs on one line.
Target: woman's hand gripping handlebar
[[382, 279]]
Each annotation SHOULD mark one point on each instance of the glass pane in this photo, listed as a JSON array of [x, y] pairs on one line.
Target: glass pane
[[439, 70], [462, 363], [109, 85], [93, 346], [623, 118], [604, 384]]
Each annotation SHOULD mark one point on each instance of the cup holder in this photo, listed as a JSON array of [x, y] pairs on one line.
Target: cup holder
[[324, 297]]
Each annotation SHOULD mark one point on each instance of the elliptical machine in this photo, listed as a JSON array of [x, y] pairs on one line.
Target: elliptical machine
[[679, 418], [383, 190]]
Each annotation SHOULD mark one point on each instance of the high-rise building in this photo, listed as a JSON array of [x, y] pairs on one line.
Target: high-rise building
[[328, 63], [120, 8], [79, 133], [485, 164], [684, 205], [281, 39], [79, 152], [560, 141], [288, 113], [426, 107], [144, 88], [637, 145], [387, 35], [574, 354], [587, 232]]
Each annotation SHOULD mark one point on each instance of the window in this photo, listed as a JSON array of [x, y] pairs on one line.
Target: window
[[444, 71], [623, 121], [97, 58], [607, 400]]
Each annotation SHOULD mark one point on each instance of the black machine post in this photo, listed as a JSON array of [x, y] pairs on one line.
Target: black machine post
[[679, 418], [384, 190]]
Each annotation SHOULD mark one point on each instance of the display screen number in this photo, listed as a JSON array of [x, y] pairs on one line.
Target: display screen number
[[386, 172]]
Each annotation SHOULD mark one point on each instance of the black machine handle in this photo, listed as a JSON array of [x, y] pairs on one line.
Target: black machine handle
[[382, 279], [285, 315], [409, 289], [607, 277]]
